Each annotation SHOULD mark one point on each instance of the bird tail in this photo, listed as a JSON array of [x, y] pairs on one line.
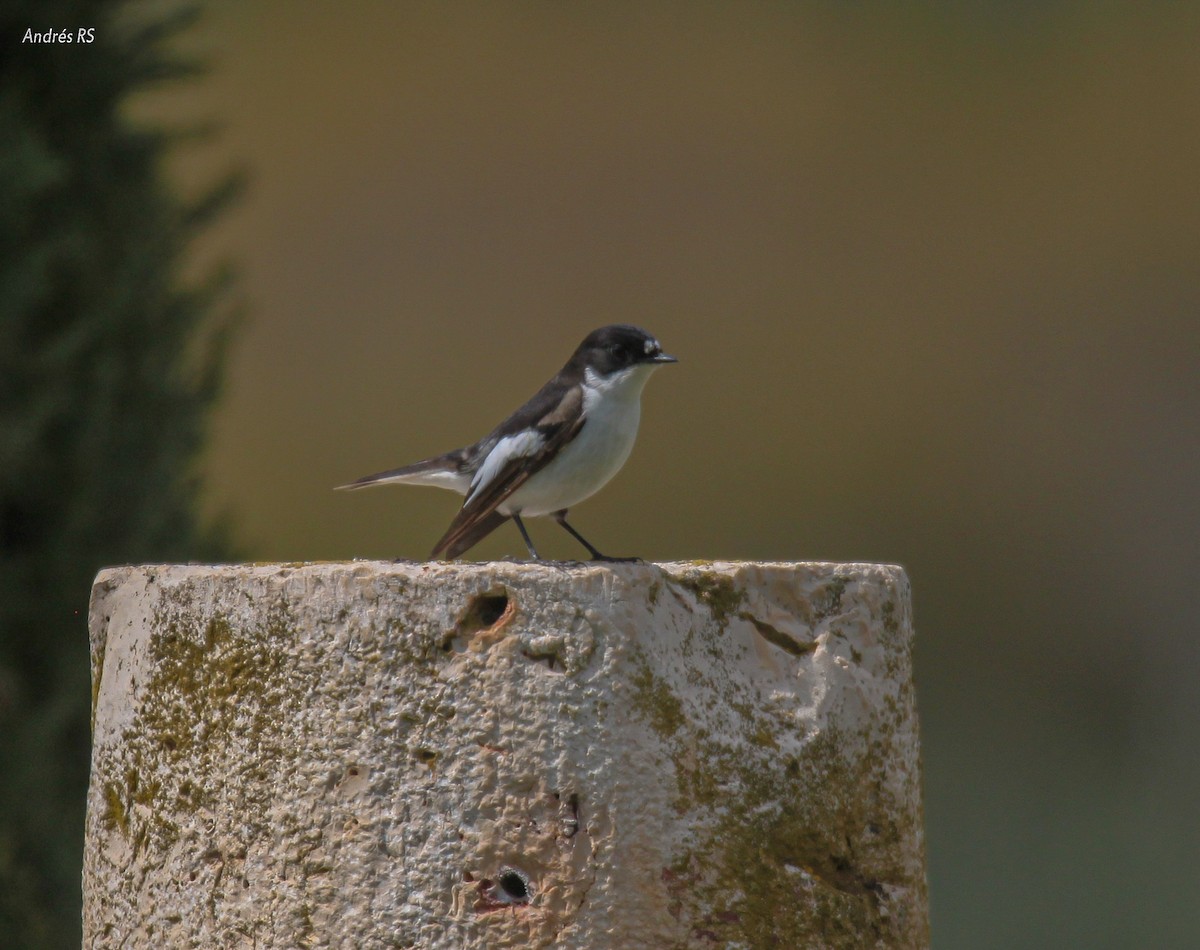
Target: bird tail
[[443, 471], [463, 535]]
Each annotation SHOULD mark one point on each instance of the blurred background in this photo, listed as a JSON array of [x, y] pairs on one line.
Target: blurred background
[[931, 271]]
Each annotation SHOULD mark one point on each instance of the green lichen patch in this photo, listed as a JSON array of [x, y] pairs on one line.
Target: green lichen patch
[[792, 849], [214, 686], [97, 673], [782, 867], [200, 684], [652, 593], [717, 592], [829, 601], [653, 698], [890, 623], [798, 837], [114, 814]]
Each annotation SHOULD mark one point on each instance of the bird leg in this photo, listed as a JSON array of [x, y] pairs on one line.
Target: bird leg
[[525, 534], [561, 518]]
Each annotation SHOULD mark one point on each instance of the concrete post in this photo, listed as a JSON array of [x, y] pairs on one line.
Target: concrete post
[[493, 755]]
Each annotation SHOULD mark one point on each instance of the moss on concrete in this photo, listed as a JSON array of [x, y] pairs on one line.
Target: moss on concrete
[[115, 814], [718, 592], [829, 601], [97, 677], [783, 815], [211, 684], [779, 867], [775, 871], [653, 698], [890, 623]]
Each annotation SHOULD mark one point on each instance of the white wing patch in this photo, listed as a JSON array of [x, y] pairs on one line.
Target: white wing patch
[[524, 444]]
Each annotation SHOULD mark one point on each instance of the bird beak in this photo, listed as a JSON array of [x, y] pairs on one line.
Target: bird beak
[[663, 358]]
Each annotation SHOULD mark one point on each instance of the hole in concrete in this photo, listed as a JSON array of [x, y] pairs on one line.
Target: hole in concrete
[[425, 756], [485, 610], [514, 887], [351, 780], [548, 656], [571, 822]]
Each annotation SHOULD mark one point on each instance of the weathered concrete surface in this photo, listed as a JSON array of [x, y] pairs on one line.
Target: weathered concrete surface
[[381, 755]]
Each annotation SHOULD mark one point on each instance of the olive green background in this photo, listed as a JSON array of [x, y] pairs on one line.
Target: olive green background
[[931, 271]]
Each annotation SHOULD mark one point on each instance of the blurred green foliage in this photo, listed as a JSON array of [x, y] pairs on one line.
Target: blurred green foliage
[[109, 363]]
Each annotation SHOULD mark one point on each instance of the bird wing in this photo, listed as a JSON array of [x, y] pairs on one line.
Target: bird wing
[[514, 459]]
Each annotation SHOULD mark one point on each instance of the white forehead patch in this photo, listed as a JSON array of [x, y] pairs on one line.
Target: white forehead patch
[[651, 346]]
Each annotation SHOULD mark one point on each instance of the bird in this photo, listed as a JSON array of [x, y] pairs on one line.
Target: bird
[[558, 449]]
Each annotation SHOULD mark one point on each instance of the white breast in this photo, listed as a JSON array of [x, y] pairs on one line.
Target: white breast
[[612, 407]]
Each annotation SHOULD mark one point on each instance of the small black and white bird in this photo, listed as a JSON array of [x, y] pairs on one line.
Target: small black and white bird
[[556, 450]]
